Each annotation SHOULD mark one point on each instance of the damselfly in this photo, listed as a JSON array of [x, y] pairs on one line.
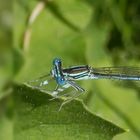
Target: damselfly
[[65, 78]]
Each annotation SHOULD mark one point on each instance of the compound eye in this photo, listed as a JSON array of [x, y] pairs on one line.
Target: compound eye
[[61, 81], [56, 61]]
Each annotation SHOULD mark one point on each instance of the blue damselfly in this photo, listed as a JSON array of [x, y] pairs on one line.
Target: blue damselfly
[[67, 77]]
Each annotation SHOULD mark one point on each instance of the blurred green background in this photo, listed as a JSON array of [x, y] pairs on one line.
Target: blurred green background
[[94, 32]]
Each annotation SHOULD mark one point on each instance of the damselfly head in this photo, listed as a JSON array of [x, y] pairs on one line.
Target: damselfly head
[[57, 61]]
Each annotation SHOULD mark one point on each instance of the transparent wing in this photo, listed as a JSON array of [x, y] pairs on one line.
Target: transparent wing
[[45, 83], [121, 73], [128, 77]]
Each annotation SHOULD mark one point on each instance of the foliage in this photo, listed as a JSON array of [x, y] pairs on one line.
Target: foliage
[[97, 33], [42, 120]]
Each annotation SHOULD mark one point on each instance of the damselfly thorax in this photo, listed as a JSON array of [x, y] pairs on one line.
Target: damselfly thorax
[[77, 72]]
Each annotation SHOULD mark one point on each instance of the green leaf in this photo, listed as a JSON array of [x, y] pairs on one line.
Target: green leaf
[[38, 118], [6, 129], [6, 120], [58, 14], [18, 60]]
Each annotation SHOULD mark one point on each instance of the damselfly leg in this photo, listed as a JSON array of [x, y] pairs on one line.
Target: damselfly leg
[[74, 94]]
